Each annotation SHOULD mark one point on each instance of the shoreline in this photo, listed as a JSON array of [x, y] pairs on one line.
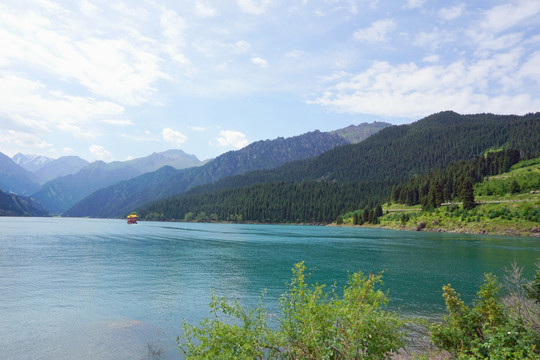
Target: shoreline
[[487, 230]]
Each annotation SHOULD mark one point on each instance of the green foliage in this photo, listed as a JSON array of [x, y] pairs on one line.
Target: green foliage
[[304, 202], [314, 324], [524, 177], [250, 338], [455, 181], [385, 159], [466, 194], [532, 288], [484, 331]]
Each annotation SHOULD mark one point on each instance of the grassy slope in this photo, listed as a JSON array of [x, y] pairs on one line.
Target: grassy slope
[[510, 213]]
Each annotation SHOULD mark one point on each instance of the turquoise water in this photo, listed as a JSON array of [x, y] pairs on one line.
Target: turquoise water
[[102, 289]]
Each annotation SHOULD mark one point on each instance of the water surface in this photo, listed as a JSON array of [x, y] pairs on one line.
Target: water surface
[[102, 289]]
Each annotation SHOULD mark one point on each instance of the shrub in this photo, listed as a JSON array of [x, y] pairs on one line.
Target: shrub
[[485, 331], [314, 324]]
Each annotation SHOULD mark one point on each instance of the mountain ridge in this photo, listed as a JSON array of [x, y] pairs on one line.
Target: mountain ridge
[[117, 199], [386, 158]]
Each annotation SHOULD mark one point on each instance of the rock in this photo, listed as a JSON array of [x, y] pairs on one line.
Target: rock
[[435, 222], [421, 226], [535, 229]]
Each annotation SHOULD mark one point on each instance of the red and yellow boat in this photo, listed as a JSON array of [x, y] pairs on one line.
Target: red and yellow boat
[[132, 219]]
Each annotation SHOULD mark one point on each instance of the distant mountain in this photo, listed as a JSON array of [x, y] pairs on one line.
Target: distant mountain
[[65, 165], [15, 179], [63, 192], [357, 133], [14, 205], [31, 162], [174, 158], [350, 177], [121, 198]]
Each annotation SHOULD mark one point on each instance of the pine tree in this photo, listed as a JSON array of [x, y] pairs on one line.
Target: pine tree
[[466, 194]]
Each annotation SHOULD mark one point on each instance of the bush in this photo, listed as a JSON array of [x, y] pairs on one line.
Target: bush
[[485, 331], [314, 324]]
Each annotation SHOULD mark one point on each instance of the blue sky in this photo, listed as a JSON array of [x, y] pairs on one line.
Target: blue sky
[[114, 80]]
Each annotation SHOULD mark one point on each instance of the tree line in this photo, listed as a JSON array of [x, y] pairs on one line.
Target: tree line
[[306, 202], [454, 181]]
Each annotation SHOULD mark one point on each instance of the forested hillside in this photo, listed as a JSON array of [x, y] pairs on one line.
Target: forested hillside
[[368, 169], [123, 197], [13, 205]]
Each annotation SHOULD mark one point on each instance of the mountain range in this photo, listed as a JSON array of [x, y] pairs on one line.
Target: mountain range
[[351, 177], [310, 177], [120, 198], [63, 192], [60, 183]]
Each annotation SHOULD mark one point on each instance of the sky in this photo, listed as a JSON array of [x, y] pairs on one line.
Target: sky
[[116, 80]]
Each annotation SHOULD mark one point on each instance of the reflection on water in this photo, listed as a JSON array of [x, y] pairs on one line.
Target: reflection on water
[[99, 289]]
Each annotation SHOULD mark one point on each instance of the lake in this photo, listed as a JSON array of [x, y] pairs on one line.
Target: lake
[[102, 289]]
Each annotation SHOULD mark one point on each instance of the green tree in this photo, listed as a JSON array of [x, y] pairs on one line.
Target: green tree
[[365, 214], [466, 193], [314, 324], [514, 187], [378, 210], [189, 217]]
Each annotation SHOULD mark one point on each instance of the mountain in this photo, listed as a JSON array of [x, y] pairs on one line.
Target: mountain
[[15, 179], [14, 205], [174, 158], [123, 197], [63, 192], [357, 133], [350, 177], [31, 162], [62, 166]]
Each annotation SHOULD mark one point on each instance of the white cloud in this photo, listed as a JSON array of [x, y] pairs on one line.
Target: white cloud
[[38, 108], [99, 152], [503, 17], [120, 67], [22, 140], [435, 39], [67, 150], [254, 7], [295, 54], [452, 13], [431, 58], [77, 132], [173, 27], [147, 138], [236, 139], [203, 9], [412, 4], [173, 136], [376, 32], [241, 46], [118, 122], [531, 68], [407, 90], [259, 61]]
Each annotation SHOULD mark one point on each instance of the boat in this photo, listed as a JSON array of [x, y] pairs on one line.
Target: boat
[[132, 219]]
